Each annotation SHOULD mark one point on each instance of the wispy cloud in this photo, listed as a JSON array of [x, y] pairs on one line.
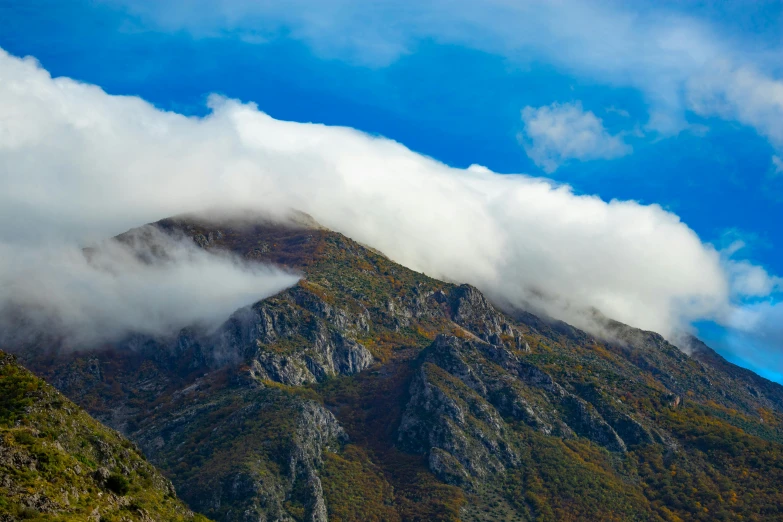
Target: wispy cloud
[[620, 112], [150, 283], [756, 335], [557, 133], [777, 166], [679, 63]]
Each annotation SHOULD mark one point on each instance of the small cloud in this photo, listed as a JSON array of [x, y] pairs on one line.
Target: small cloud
[[751, 280], [557, 133], [757, 335], [697, 129], [734, 239], [734, 247], [480, 169], [620, 112], [745, 278], [777, 166]]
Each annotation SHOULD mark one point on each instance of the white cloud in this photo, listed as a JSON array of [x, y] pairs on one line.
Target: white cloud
[[751, 280], [678, 62], [77, 163], [620, 112], [557, 133], [116, 289], [51, 206], [741, 93], [747, 279], [777, 165], [756, 336], [762, 321]]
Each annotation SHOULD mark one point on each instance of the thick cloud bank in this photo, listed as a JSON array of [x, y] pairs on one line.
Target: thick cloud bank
[[76, 162]]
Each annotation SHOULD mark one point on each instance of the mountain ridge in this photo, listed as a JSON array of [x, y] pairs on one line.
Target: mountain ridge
[[445, 407]]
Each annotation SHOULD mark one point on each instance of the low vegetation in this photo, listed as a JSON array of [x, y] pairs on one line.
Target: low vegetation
[[58, 464]]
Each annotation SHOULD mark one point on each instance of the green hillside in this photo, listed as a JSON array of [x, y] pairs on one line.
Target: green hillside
[[59, 464]]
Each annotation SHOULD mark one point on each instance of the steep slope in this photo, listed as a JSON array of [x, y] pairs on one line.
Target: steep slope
[[57, 463], [371, 392]]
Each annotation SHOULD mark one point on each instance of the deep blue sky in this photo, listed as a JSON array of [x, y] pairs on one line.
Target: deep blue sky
[[456, 102]]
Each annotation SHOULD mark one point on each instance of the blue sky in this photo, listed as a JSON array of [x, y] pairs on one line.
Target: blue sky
[[667, 123]]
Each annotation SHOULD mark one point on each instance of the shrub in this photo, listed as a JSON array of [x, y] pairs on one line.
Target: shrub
[[118, 484]]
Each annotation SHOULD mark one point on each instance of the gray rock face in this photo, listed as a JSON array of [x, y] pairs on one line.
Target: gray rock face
[[586, 422], [471, 310], [250, 477], [294, 338], [464, 391], [296, 345], [630, 431], [299, 338], [462, 434], [264, 498]]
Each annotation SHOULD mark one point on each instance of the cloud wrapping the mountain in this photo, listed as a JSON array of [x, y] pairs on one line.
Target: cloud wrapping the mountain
[[557, 133], [77, 164]]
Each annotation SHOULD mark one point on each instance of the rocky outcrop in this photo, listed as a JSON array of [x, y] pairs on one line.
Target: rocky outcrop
[[265, 448], [466, 388], [470, 309], [299, 339], [587, 422], [294, 338], [631, 431], [462, 434], [256, 495]]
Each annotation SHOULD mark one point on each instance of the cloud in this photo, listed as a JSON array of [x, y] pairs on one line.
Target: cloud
[[748, 280], [151, 283], [620, 112], [559, 132], [51, 209], [76, 163], [777, 166], [678, 62], [756, 336], [741, 93], [751, 280]]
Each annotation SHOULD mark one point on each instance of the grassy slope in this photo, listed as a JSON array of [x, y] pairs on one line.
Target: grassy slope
[[50, 455]]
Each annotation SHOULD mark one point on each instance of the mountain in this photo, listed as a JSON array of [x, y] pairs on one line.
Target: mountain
[[371, 392], [57, 463]]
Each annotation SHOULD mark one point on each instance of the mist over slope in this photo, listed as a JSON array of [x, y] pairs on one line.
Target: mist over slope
[[148, 283]]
